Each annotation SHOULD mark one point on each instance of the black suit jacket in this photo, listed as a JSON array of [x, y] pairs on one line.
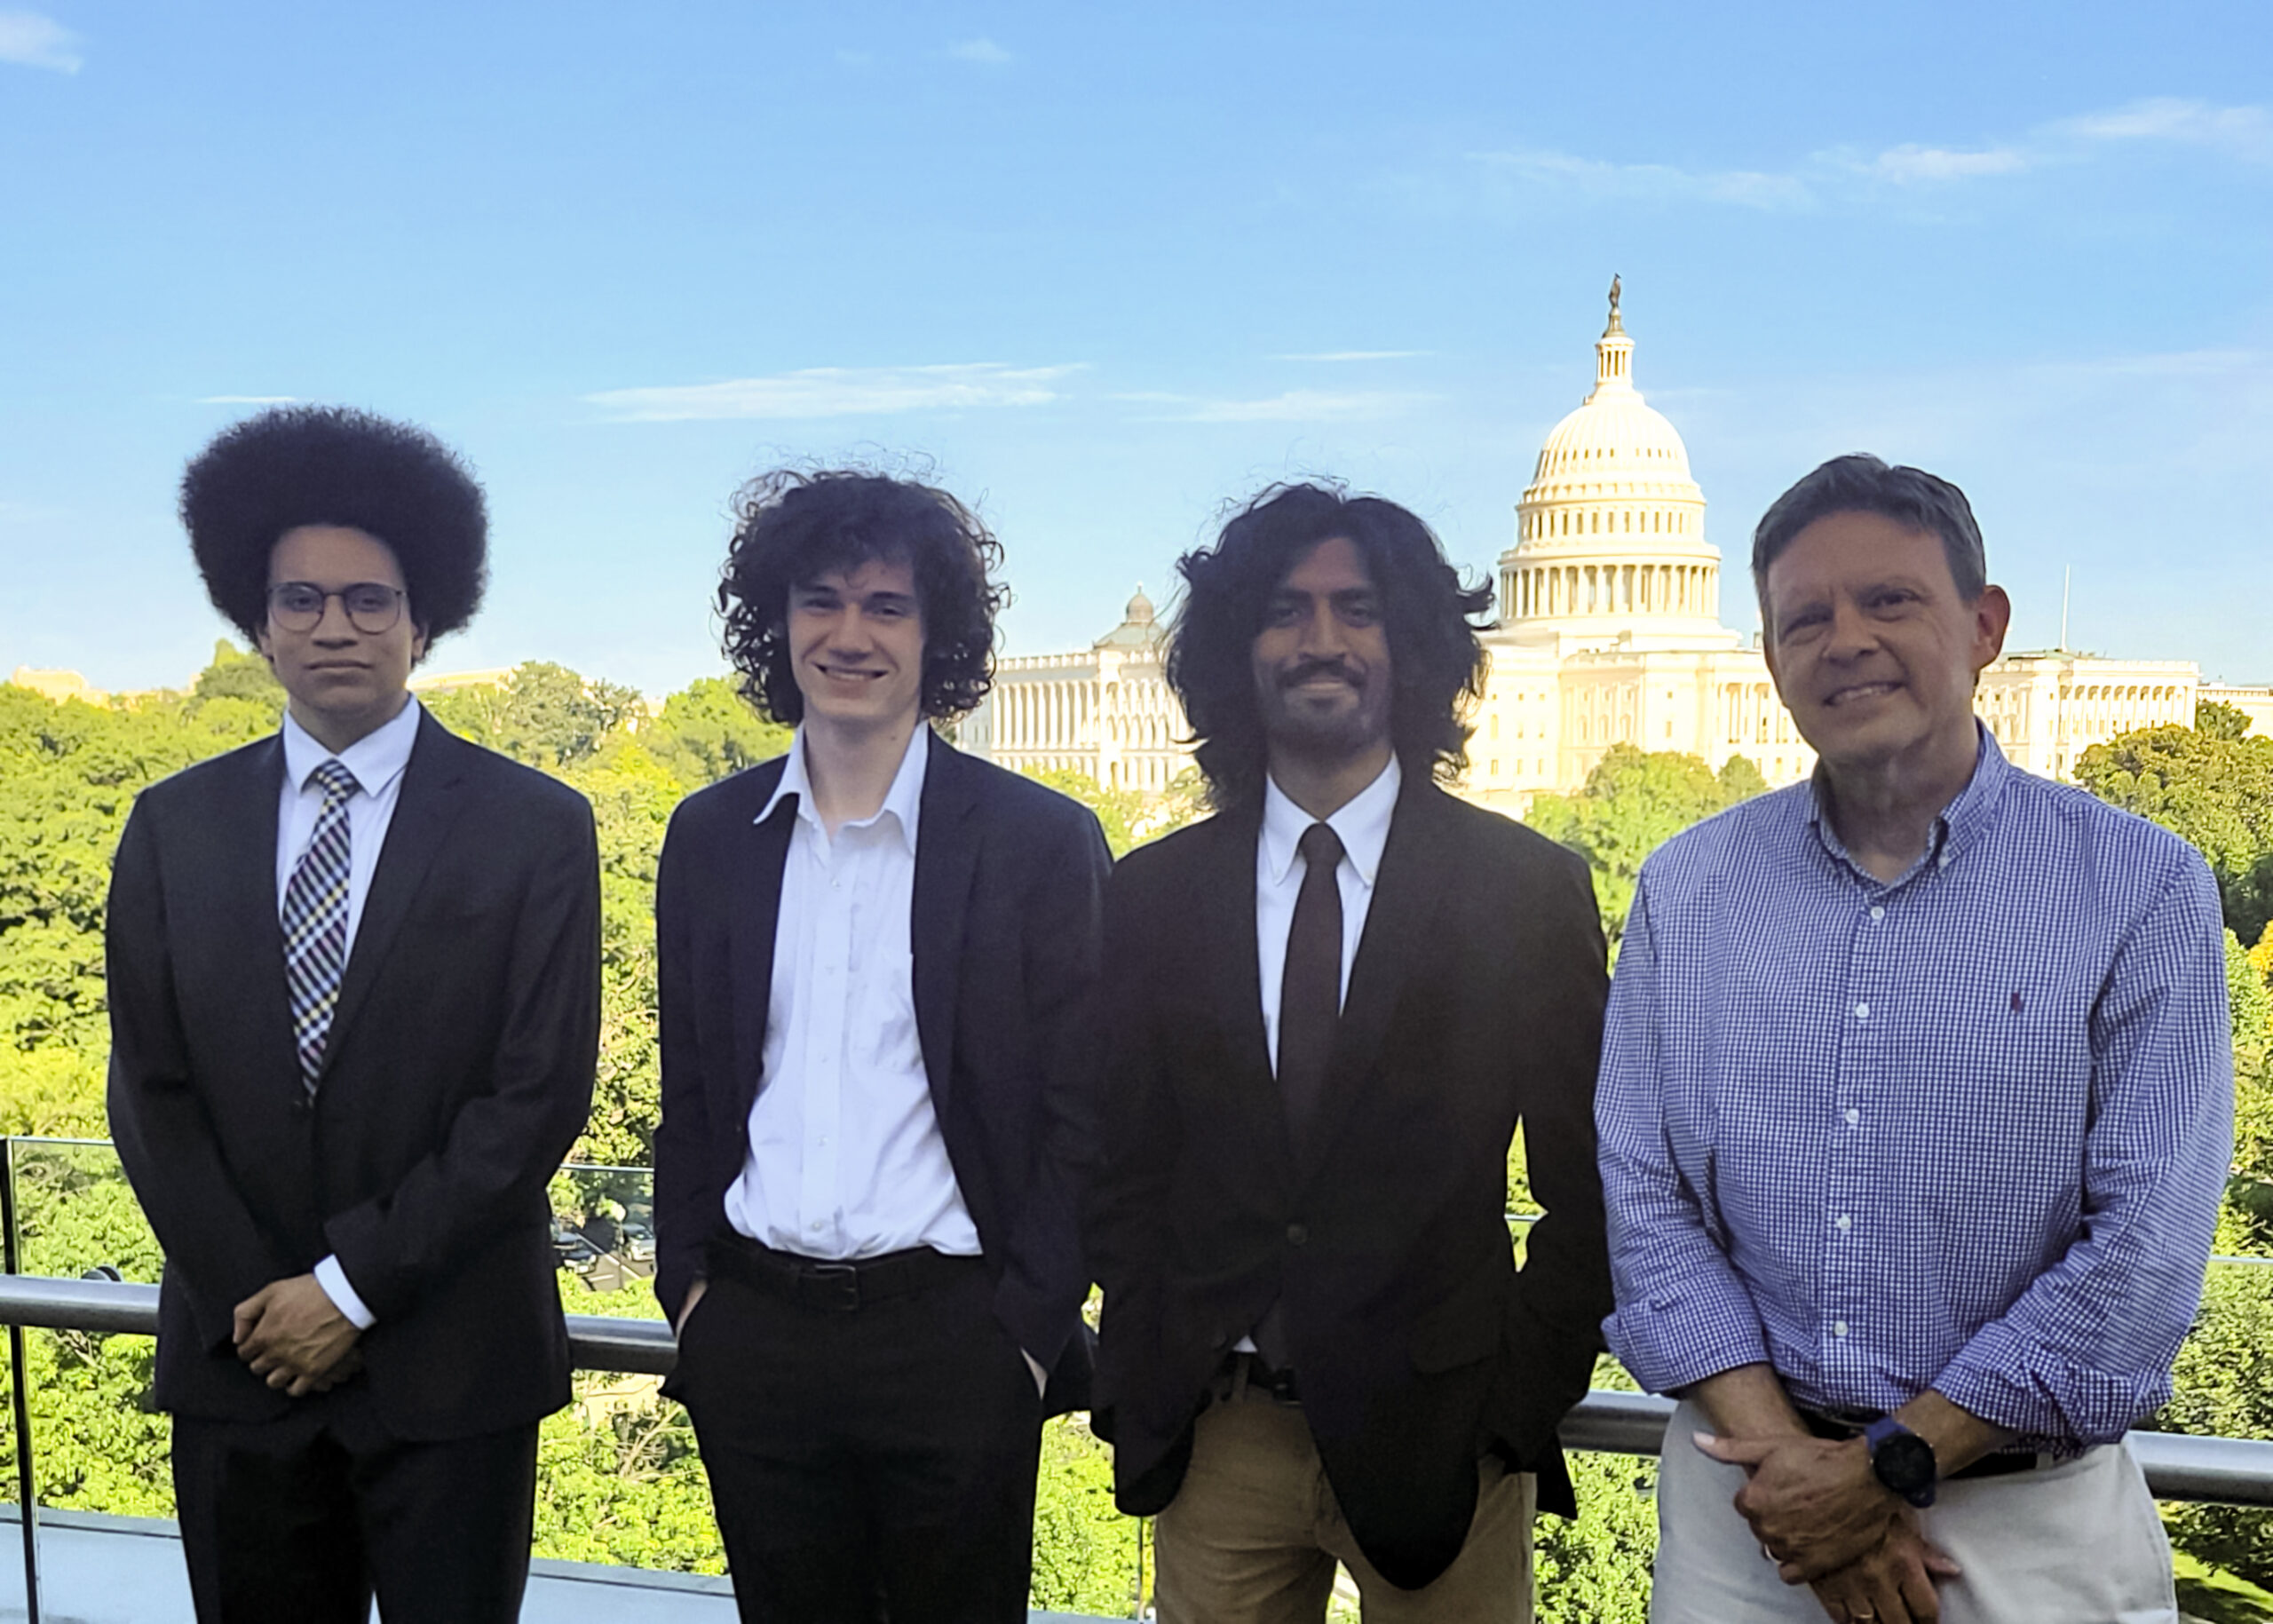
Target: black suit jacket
[[1475, 1000], [1010, 879], [458, 1072]]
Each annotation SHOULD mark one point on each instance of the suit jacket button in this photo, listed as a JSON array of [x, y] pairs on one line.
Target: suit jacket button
[[1298, 1234]]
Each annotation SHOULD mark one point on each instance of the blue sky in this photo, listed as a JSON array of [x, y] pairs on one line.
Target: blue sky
[[1109, 267]]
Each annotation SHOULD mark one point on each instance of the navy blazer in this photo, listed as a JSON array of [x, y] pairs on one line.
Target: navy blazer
[[459, 1072], [1474, 1003], [1009, 881]]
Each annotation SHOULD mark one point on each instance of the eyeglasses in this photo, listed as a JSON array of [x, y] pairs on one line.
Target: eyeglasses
[[372, 609]]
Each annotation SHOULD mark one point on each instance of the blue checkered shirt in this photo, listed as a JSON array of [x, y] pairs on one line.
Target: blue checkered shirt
[[1965, 1131]]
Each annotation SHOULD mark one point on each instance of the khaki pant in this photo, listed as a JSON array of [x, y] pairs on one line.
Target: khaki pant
[[2076, 1543], [1253, 1536]]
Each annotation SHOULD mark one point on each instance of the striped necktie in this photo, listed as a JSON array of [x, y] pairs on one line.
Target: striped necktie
[[315, 921]]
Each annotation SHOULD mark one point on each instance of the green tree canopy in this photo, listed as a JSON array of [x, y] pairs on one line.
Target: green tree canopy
[[543, 714], [2209, 784], [1633, 802], [707, 731]]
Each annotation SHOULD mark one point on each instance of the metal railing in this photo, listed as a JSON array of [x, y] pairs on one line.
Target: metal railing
[[2179, 1466]]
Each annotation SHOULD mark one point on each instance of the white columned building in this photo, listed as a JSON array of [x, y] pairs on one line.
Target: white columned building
[[1609, 633]]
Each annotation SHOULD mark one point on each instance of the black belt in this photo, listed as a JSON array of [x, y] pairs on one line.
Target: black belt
[[1849, 1423], [840, 1287], [1242, 1372]]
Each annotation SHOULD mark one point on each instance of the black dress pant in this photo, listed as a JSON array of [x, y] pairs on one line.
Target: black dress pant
[[299, 1521], [867, 1463]]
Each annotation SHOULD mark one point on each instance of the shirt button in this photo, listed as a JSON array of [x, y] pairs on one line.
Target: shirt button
[[1862, 1011], [1298, 1234], [1878, 913], [1838, 1327], [1844, 1221], [815, 1227], [1853, 1116]]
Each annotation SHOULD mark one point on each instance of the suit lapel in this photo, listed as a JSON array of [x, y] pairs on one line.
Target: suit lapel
[[1233, 970], [755, 916], [1415, 871], [425, 809], [947, 862], [243, 879]]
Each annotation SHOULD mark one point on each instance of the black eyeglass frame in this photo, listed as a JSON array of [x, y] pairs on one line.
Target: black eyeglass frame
[[371, 624]]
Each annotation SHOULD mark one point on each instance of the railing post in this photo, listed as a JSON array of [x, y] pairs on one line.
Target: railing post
[[20, 1389]]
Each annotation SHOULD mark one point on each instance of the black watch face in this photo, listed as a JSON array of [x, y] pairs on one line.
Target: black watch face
[[1905, 1463]]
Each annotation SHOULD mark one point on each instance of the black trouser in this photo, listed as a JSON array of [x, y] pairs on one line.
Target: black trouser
[[298, 1521], [867, 1462]]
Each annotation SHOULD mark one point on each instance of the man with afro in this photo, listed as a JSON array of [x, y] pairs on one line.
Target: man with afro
[[353, 977]]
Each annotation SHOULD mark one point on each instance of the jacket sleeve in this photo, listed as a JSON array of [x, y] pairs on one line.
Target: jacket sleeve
[[688, 1197], [1557, 1310], [1042, 1298], [215, 1250], [506, 1141], [1125, 1219]]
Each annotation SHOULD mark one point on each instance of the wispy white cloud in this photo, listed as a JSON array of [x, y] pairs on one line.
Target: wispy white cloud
[[2244, 133], [30, 39], [1594, 176], [981, 50], [1290, 406], [837, 392], [1911, 164], [247, 399], [1353, 355]]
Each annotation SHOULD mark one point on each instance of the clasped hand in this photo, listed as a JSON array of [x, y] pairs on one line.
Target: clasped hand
[[1827, 1522], [294, 1337]]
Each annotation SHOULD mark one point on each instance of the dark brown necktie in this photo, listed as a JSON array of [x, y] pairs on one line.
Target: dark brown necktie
[[1310, 997]]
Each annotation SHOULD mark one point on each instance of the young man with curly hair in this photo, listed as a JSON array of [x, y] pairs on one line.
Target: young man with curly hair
[[354, 1002], [877, 959], [1332, 1002]]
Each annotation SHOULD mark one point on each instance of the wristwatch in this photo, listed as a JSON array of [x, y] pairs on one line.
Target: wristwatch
[[1902, 1460]]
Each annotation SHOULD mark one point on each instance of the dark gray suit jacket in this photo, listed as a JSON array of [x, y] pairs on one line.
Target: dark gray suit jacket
[[1475, 1002], [1010, 879], [459, 1071]]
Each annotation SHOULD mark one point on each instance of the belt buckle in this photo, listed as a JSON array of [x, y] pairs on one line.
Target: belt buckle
[[836, 1285]]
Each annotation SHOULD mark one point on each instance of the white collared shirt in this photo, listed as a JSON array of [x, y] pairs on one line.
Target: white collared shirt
[[845, 1156], [1362, 826], [377, 760]]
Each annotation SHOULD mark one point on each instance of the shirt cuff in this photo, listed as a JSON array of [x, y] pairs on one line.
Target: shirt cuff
[[333, 1278]]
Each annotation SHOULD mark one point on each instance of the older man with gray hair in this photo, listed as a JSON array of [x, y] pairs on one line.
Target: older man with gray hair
[[1915, 1108]]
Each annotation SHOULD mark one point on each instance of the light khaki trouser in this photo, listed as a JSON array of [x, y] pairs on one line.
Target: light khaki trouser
[[2075, 1544], [1253, 1534]]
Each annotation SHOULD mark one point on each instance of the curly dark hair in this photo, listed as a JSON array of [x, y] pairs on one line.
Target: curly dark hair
[[333, 465], [1436, 660], [794, 526]]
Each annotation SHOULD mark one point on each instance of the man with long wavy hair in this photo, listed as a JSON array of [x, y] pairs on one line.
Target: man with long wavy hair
[[1332, 1002], [876, 956]]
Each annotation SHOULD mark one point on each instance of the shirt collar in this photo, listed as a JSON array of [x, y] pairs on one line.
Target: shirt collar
[[1970, 813], [377, 759], [904, 800], [1361, 825]]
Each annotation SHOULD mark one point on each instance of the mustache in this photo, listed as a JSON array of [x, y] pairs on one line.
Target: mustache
[[1294, 676]]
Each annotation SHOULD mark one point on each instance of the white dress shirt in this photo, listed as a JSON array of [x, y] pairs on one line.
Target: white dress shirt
[[376, 760], [1362, 826], [845, 1157]]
